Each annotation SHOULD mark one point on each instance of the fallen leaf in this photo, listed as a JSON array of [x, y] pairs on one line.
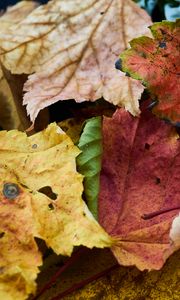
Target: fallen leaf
[[8, 115], [140, 175], [89, 161], [40, 197], [156, 63], [15, 14], [72, 47]]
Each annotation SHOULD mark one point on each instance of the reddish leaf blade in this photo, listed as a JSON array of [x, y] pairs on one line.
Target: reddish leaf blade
[[140, 175], [156, 63]]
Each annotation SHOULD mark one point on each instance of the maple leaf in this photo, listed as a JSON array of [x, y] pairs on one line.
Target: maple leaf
[[140, 175], [156, 63], [72, 47], [40, 197]]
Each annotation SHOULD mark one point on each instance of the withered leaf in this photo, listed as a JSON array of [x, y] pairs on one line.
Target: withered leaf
[[8, 115], [156, 63], [15, 14], [40, 196], [140, 175], [72, 46]]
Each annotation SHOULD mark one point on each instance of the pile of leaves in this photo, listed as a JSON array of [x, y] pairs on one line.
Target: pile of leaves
[[108, 174]]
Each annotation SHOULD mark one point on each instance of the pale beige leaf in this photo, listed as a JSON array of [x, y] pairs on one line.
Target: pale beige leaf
[[73, 46], [15, 14], [8, 115]]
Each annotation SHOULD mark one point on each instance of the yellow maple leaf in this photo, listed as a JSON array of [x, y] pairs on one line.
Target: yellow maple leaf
[[72, 46], [40, 196]]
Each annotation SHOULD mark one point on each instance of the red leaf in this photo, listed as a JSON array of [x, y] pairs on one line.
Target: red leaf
[[140, 175], [156, 63]]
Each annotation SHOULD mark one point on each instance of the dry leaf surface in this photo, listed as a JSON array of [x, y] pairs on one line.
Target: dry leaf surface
[[8, 114], [46, 203], [140, 175], [156, 63], [72, 46], [15, 14]]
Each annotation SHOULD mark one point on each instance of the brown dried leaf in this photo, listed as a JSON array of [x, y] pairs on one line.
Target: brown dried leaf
[[73, 47]]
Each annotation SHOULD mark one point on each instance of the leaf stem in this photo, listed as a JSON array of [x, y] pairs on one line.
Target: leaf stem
[[158, 212], [82, 283], [67, 264]]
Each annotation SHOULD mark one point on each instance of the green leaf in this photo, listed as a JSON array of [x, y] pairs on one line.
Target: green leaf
[[89, 161]]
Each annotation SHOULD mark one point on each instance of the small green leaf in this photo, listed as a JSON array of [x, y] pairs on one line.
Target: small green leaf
[[89, 161]]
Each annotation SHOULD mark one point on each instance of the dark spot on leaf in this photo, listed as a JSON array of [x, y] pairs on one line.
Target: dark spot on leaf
[[162, 45], [11, 190], [147, 146], [2, 234], [84, 214], [51, 207], [127, 74], [47, 190], [165, 55], [158, 180], [163, 32], [34, 146], [142, 54], [118, 64]]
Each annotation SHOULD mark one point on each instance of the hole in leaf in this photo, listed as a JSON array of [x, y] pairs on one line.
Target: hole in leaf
[[147, 146], [2, 234], [162, 45], [47, 190], [51, 207], [158, 180]]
